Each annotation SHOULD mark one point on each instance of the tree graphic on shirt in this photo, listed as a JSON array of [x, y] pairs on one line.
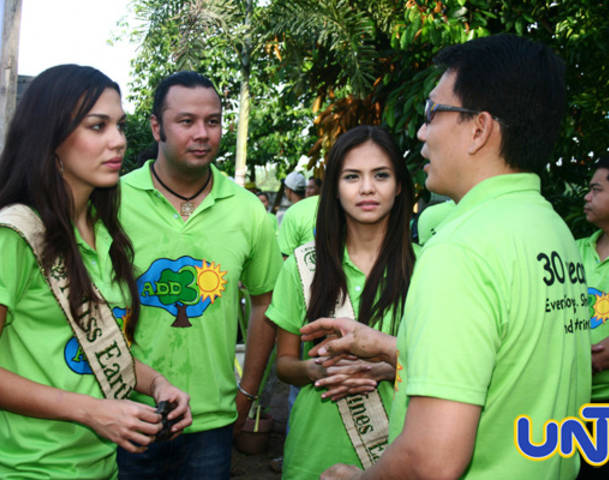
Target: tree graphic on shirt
[[180, 292], [184, 287]]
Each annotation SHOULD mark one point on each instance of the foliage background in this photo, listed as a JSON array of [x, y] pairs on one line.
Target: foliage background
[[326, 66]]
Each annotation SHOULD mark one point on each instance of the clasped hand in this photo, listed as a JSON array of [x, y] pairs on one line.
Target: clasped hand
[[348, 357], [345, 377], [133, 426]]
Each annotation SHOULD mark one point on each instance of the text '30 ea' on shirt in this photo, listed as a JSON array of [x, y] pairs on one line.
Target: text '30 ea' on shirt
[[497, 316]]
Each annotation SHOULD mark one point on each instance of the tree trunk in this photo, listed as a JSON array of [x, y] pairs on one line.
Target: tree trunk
[[242, 127], [10, 21], [244, 101], [181, 318]]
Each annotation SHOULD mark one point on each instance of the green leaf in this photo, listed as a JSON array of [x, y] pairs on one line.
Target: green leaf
[[389, 115]]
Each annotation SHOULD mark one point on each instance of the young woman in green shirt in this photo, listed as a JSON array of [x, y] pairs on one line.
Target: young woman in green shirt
[[363, 251], [62, 157]]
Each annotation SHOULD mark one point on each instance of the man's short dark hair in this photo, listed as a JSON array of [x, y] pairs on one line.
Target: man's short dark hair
[[602, 162], [518, 81], [260, 193], [184, 79]]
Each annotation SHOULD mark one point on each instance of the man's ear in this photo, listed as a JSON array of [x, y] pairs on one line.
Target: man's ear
[[155, 126], [483, 127]]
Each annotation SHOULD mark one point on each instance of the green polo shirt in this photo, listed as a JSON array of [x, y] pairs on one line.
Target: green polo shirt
[[597, 278], [38, 344], [317, 438], [431, 219], [496, 316], [298, 225], [188, 276]]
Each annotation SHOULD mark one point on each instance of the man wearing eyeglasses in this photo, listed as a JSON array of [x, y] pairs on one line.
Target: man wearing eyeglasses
[[495, 324]]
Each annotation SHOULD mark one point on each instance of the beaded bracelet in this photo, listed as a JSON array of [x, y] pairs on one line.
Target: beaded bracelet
[[246, 393]]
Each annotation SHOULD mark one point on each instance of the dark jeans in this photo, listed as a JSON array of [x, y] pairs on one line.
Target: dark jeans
[[202, 455]]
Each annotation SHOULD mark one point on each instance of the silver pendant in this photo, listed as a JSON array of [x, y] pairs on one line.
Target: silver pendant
[[187, 208]]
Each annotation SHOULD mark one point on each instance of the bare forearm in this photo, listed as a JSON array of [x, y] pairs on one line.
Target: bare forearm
[[397, 464], [393, 465], [147, 378], [32, 399], [387, 345], [260, 341], [436, 443], [298, 372], [128, 424]]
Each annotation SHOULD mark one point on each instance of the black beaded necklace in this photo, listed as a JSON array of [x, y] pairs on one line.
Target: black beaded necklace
[[187, 207]]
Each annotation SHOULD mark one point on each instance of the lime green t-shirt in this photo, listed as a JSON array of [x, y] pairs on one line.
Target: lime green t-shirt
[[497, 316], [317, 438], [597, 279], [38, 344], [188, 276], [273, 219], [298, 225]]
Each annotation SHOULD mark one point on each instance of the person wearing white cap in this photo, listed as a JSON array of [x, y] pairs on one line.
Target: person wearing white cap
[[295, 184]]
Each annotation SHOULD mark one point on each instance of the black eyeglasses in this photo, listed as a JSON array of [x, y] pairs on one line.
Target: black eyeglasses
[[431, 108]]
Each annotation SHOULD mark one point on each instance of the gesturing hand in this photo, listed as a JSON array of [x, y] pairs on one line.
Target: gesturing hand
[[353, 338]]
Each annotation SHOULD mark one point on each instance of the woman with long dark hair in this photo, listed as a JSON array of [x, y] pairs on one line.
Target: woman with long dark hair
[[360, 266], [66, 287]]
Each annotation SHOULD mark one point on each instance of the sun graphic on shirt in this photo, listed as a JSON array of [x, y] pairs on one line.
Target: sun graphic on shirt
[[210, 281], [600, 307], [122, 317], [124, 321]]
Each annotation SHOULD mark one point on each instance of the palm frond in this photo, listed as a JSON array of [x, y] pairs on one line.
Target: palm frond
[[345, 33]]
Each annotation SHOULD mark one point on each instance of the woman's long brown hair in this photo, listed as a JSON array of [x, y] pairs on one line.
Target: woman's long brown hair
[[52, 107], [388, 282]]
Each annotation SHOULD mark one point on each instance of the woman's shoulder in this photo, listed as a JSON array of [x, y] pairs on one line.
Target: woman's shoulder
[[17, 266], [12, 239]]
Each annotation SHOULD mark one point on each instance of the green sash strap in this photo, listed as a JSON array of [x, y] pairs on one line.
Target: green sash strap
[[363, 414], [101, 340]]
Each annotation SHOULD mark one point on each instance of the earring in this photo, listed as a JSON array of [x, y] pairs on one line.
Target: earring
[[59, 164]]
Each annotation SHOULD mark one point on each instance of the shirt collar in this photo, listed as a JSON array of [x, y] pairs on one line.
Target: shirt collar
[[142, 180], [592, 239], [102, 239], [497, 186], [590, 243], [348, 264]]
